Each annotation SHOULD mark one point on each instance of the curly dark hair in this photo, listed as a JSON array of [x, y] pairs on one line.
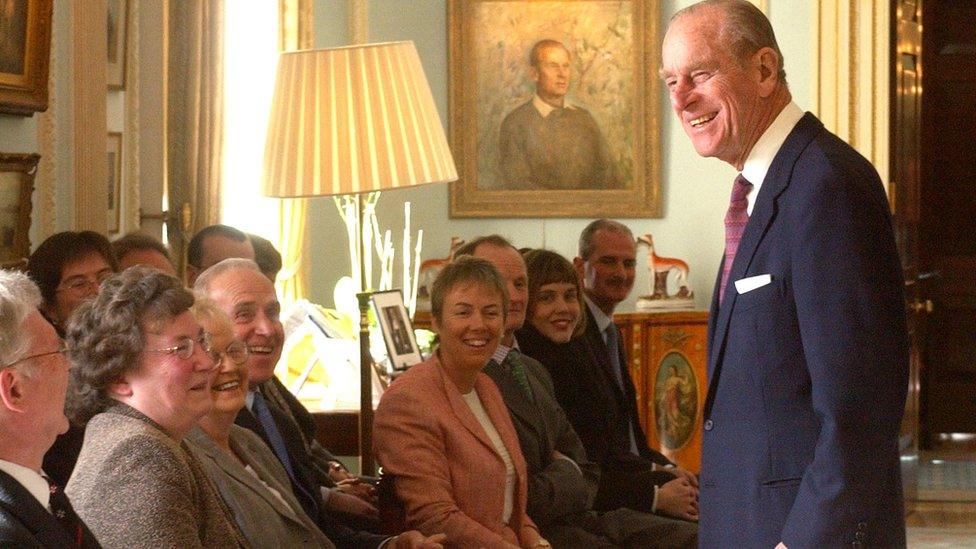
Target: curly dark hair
[[106, 335]]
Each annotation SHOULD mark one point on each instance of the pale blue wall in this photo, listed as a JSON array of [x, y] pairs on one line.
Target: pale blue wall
[[695, 190]]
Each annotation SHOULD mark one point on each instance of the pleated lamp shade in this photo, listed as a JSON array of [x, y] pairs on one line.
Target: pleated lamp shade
[[353, 120]]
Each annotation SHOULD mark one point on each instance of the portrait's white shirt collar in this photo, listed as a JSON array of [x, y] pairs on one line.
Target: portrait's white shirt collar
[[545, 108], [29, 479], [764, 151]]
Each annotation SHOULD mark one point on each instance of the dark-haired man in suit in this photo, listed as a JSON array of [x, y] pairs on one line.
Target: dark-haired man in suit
[[33, 379], [808, 346], [604, 410]]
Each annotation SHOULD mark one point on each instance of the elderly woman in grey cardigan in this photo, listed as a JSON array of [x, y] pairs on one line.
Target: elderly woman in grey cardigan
[[141, 379], [249, 478]]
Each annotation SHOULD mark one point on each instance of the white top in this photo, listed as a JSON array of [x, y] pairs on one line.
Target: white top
[[36, 484], [545, 109], [474, 402], [764, 151]]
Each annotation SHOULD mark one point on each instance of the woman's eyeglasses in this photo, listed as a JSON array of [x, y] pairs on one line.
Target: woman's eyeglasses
[[184, 349], [237, 352]]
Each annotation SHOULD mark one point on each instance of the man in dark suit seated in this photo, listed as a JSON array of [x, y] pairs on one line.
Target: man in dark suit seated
[[212, 245], [562, 481], [33, 379], [600, 400], [239, 288]]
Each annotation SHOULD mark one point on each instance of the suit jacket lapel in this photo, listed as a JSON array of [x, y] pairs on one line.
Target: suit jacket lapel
[[253, 483], [602, 353], [521, 408], [763, 213], [461, 409], [35, 518]]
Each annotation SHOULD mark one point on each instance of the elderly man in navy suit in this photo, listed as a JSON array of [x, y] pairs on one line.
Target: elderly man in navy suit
[[808, 361], [33, 380]]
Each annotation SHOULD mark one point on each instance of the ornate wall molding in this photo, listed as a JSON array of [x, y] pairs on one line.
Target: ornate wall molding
[[851, 81], [90, 132], [131, 137], [45, 206]]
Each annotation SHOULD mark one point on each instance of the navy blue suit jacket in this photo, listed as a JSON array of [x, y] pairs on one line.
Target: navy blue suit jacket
[[808, 374]]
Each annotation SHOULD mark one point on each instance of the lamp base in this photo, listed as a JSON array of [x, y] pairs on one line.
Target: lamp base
[[367, 465]]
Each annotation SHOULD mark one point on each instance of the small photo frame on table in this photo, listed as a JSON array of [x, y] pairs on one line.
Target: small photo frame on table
[[114, 184], [116, 35], [16, 185], [401, 344]]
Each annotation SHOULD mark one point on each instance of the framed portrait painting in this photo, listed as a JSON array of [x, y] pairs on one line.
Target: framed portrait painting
[[16, 185], [25, 46], [554, 108]]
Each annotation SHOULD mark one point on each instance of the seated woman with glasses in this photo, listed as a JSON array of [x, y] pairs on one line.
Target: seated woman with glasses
[[251, 481], [68, 267], [141, 380]]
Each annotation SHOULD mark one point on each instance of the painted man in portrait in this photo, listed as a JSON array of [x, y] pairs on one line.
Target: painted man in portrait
[[549, 142]]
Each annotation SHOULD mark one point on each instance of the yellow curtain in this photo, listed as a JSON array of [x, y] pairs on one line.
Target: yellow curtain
[[296, 33]]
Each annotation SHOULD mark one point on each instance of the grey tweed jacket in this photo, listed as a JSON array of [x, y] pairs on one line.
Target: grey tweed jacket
[[134, 486], [265, 520]]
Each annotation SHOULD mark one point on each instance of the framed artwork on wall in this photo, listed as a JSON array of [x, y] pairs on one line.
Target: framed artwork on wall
[[16, 185], [25, 46], [114, 184], [554, 108], [116, 35]]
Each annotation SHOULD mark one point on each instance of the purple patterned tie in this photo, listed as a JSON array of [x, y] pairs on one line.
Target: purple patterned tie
[[735, 224]]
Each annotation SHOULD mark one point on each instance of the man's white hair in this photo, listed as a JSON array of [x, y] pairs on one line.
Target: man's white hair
[[19, 297], [203, 281]]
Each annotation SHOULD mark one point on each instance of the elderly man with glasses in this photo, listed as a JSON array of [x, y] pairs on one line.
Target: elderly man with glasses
[[33, 379]]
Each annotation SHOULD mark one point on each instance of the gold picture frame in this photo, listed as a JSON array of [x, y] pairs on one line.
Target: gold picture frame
[[116, 35], [114, 184], [17, 173], [25, 47], [613, 51]]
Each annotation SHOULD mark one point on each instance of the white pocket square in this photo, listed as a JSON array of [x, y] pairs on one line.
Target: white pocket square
[[749, 284]]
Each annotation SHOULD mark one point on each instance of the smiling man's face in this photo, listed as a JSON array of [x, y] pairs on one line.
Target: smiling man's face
[[248, 297], [717, 100]]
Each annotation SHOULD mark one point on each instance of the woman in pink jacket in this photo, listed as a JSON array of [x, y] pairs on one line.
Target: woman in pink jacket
[[442, 429]]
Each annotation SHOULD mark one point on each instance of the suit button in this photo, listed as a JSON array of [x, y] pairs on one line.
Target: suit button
[[708, 425]]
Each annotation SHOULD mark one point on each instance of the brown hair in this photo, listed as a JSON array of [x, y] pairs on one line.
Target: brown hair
[[548, 267], [463, 270], [46, 263]]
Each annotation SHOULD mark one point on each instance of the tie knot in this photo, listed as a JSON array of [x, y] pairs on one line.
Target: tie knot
[[740, 189]]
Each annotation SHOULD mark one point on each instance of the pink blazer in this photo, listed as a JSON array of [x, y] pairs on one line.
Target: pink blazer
[[448, 474]]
